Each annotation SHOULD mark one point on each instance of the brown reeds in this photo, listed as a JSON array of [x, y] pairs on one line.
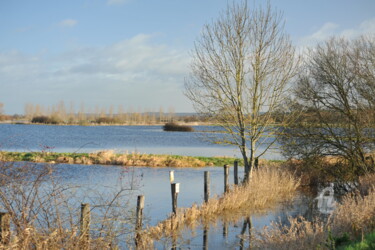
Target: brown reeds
[[353, 216], [268, 187], [43, 210]]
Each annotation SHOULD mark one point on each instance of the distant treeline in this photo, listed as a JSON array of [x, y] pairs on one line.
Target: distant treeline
[[59, 114]]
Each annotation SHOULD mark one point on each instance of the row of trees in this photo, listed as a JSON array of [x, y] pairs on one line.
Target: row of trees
[[60, 114], [245, 73]]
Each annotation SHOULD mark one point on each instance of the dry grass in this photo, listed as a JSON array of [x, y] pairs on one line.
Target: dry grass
[[109, 157], [31, 238], [43, 210], [300, 234], [268, 187], [355, 215]]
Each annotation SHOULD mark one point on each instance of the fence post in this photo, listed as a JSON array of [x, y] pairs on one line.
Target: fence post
[[85, 224], [175, 188], [206, 186], [226, 178], [205, 237], [171, 176], [225, 229], [4, 228], [139, 217], [140, 206], [235, 167]]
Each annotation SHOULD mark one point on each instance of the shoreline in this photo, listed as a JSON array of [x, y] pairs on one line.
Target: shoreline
[[106, 124], [109, 157]]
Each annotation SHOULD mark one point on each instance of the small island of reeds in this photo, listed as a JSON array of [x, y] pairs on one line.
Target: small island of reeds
[[171, 126]]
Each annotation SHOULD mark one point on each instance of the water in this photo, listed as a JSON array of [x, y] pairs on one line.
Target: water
[[154, 184], [142, 139], [151, 182]]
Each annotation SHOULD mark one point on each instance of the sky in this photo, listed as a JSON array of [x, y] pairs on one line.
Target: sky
[[133, 53]]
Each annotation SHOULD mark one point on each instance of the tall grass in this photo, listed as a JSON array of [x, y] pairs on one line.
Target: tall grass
[[44, 210], [268, 187], [353, 217]]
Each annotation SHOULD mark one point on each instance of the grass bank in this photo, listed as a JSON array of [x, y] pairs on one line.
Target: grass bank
[[110, 157]]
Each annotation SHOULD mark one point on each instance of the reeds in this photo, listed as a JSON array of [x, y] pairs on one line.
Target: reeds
[[354, 216], [43, 211], [268, 187], [110, 157]]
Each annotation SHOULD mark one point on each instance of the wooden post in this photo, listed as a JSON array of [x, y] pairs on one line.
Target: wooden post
[[174, 242], [139, 215], [175, 188], [5, 228], [171, 176], [235, 167], [206, 186], [205, 237], [226, 178], [85, 224], [225, 229], [246, 224]]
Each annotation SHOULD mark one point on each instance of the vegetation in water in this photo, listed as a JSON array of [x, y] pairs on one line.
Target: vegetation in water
[[41, 211], [110, 157], [269, 187], [171, 126], [353, 218]]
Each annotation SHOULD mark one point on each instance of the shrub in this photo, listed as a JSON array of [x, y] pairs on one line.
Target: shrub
[[39, 119], [105, 120], [176, 127], [45, 120]]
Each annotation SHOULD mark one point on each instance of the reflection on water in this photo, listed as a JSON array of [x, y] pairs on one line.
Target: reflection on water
[[326, 200], [237, 235], [155, 185]]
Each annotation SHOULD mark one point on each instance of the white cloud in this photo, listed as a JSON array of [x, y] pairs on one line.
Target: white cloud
[[133, 72], [68, 23], [331, 29], [116, 2]]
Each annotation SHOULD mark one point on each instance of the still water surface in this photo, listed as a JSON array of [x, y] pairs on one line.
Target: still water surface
[[154, 184], [142, 139], [151, 182]]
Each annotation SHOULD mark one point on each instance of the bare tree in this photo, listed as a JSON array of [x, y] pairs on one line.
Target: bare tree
[[337, 90], [240, 70]]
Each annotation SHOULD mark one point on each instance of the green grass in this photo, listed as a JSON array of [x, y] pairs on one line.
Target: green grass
[[110, 159], [367, 243]]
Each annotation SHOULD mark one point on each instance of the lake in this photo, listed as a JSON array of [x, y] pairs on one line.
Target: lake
[[154, 184], [142, 139], [151, 182]]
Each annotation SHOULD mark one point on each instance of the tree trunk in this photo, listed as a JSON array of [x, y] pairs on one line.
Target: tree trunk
[[252, 160]]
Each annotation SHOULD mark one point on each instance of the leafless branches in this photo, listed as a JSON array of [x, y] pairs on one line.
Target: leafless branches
[[240, 70], [336, 91]]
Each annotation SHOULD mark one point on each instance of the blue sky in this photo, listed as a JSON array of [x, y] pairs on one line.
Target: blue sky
[[133, 53]]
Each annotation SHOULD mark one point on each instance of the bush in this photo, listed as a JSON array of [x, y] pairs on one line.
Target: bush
[[105, 120], [45, 120], [175, 127]]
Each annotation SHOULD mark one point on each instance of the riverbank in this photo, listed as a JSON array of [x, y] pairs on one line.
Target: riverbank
[[110, 157]]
